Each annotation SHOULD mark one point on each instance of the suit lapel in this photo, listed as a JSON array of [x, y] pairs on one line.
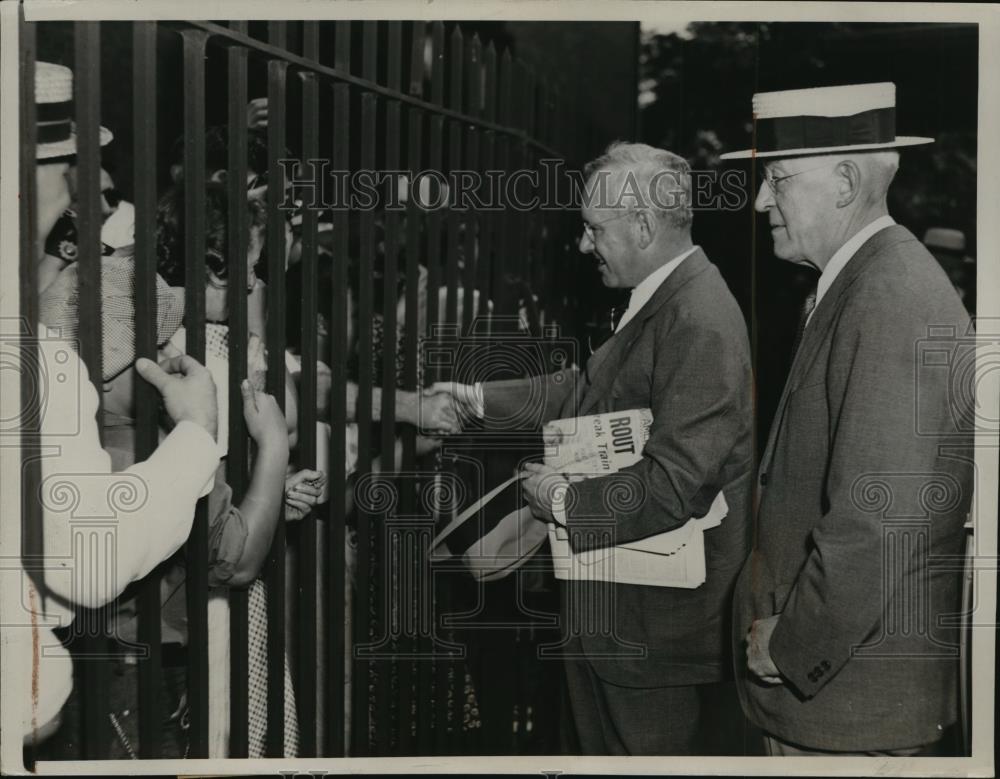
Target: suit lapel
[[605, 363], [822, 320]]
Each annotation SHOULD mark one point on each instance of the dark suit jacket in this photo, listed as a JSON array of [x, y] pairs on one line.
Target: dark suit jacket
[[685, 356], [859, 499]]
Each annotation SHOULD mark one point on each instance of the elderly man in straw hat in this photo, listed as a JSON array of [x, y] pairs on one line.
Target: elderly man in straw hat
[[839, 608], [148, 527]]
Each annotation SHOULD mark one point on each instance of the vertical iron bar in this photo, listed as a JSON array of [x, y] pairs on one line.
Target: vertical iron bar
[[526, 122], [87, 76], [473, 92], [410, 705], [336, 601], [433, 723], [194, 322], [363, 602], [449, 672], [237, 475], [454, 164], [386, 592], [146, 397], [276, 341], [88, 177], [32, 546], [488, 220], [505, 219], [307, 570]]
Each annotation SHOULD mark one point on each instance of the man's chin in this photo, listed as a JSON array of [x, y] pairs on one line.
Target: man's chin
[[787, 254]]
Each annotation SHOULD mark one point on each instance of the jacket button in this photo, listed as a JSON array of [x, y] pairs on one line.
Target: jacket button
[[763, 479]]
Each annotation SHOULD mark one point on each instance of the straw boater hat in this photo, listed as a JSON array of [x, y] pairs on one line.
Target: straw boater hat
[[825, 120], [54, 106]]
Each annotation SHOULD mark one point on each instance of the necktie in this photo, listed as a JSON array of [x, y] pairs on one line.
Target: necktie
[[608, 326], [615, 315], [807, 308]]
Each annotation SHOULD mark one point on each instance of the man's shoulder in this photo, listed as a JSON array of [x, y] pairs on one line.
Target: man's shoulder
[[704, 299], [901, 280]]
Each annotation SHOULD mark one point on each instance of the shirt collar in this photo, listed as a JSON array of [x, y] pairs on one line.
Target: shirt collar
[[844, 254], [644, 290]]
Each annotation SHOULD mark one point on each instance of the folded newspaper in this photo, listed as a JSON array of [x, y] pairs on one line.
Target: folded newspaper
[[583, 447], [601, 444]]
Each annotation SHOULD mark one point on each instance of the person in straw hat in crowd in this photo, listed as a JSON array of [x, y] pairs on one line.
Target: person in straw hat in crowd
[[948, 247], [840, 644], [166, 486]]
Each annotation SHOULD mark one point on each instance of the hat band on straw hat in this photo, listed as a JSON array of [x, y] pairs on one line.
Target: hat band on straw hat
[[54, 121], [814, 132], [54, 132]]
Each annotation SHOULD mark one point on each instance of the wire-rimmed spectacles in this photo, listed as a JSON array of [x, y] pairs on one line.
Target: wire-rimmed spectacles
[[590, 229], [772, 181]]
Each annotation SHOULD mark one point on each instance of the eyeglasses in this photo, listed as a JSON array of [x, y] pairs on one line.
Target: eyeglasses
[[772, 181], [590, 229]]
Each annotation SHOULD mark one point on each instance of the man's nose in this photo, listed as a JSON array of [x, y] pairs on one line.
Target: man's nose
[[765, 198], [586, 245]]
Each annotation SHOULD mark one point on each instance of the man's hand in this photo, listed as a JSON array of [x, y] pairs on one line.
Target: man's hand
[[464, 395], [758, 650], [425, 445], [542, 486], [187, 389], [302, 492], [265, 420], [257, 113], [437, 414]]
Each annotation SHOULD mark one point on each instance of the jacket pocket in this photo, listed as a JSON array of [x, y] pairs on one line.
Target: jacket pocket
[[780, 596]]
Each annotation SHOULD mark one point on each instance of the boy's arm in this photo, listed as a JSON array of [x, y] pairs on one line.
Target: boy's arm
[[260, 509]]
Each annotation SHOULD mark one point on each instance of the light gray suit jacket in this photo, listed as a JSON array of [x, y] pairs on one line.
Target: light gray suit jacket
[[863, 492], [685, 356]]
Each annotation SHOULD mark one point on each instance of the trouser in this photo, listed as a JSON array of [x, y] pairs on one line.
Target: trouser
[[774, 747], [611, 720], [123, 707], [118, 729]]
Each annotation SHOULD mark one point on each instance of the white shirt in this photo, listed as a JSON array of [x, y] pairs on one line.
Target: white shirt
[[100, 530], [844, 254], [644, 289]]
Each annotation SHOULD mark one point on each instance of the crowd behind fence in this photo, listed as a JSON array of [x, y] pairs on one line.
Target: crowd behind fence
[[419, 281]]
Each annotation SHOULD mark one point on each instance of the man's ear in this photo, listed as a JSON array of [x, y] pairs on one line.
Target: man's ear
[[848, 182], [218, 176], [646, 223]]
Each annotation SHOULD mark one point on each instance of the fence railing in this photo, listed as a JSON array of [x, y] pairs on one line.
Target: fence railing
[[413, 98]]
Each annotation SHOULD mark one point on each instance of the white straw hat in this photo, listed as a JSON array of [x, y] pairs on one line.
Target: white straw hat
[[825, 120], [54, 108]]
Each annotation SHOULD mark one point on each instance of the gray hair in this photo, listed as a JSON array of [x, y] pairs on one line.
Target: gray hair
[[654, 178]]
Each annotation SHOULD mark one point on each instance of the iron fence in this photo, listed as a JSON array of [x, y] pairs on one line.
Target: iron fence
[[412, 98]]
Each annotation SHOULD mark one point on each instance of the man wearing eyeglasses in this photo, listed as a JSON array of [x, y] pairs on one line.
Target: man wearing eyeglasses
[[647, 678], [844, 642]]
